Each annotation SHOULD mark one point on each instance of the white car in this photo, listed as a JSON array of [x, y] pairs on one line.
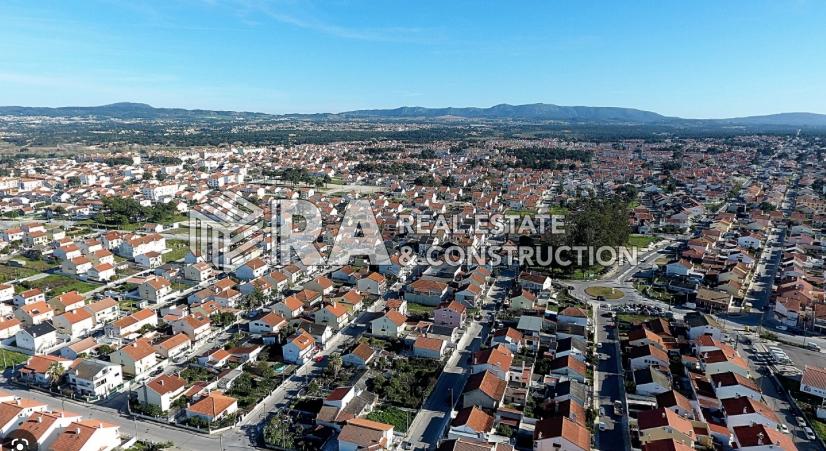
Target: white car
[[602, 426], [783, 428], [810, 434]]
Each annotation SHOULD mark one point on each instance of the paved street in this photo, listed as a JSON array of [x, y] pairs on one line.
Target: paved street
[[298, 379], [778, 402], [430, 423], [609, 385], [145, 430]]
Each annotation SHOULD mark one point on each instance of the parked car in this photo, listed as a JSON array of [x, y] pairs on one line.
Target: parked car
[[801, 421], [783, 428], [813, 346], [810, 434]]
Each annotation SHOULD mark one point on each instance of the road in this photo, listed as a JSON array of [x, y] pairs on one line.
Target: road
[[297, 380], [431, 421], [621, 278], [776, 398], [609, 384], [145, 430]]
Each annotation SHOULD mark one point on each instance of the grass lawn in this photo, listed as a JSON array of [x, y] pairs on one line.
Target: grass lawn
[[419, 309], [818, 426], [178, 250], [520, 213], [34, 264], [632, 318], [641, 240], [606, 292], [57, 284], [11, 358], [10, 273], [400, 419]]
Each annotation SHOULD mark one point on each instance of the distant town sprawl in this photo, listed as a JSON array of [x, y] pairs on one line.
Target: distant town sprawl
[[463, 290]]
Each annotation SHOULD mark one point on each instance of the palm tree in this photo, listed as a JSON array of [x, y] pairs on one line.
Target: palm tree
[[55, 373], [335, 364]]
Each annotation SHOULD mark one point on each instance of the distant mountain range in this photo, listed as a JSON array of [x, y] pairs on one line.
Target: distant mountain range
[[530, 112]]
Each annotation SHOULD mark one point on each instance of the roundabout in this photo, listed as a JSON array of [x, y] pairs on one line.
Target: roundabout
[[608, 293]]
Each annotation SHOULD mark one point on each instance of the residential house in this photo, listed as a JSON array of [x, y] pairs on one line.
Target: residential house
[[471, 422], [560, 434], [213, 407], [648, 355], [155, 289], [74, 324], [38, 369], [429, 347], [132, 324], [485, 390], [36, 339], [496, 360], [29, 297], [374, 283], [334, 315], [136, 358], [271, 323], [31, 314], [162, 391], [196, 327], [391, 324], [90, 377], [103, 311], [453, 314], [744, 411], [174, 346], [364, 434], [662, 423], [85, 435], [426, 292], [299, 348], [66, 302], [360, 356]]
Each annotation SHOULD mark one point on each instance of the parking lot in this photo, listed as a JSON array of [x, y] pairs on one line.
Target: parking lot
[[801, 357]]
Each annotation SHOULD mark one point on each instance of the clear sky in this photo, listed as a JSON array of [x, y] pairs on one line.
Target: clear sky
[[685, 58]]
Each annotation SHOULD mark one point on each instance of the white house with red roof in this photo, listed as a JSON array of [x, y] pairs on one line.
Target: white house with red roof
[[453, 314], [161, 391], [813, 381], [271, 323], [374, 283], [299, 348]]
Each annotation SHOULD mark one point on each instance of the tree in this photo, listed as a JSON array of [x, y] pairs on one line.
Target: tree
[[55, 372], [504, 430], [264, 370], [279, 431], [255, 299], [335, 364]]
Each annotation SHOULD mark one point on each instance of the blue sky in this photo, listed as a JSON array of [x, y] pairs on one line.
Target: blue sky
[[691, 59]]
